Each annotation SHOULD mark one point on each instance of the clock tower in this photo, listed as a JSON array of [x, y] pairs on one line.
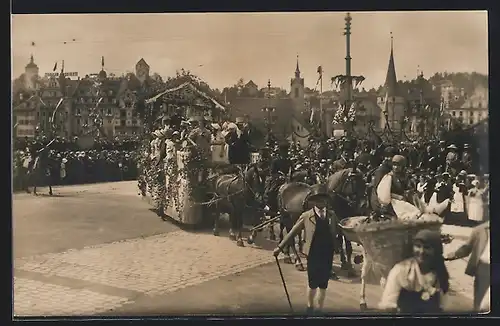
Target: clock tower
[[142, 70]]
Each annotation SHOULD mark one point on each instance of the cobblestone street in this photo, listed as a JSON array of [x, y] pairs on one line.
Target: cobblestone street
[[98, 250]]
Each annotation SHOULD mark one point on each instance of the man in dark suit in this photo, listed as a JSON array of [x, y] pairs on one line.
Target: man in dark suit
[[320, 226], [478, 247], [239, 143]]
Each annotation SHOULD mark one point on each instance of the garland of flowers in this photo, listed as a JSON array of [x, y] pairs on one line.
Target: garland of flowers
[[172, 190]]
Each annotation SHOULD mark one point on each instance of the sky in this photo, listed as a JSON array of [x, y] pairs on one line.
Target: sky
[[223, 47]]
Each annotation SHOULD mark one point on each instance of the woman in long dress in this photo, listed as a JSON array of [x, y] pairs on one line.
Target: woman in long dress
[[475, 209]]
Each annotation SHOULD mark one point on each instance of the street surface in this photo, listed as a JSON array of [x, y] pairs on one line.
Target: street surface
[[98, 250]]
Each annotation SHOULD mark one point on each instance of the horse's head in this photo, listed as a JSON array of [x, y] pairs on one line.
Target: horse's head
[[254, 184], [348, 184]]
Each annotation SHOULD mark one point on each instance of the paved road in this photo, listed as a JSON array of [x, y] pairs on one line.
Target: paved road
[[98, 250]]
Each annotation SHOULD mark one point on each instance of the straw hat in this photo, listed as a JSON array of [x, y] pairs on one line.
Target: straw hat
[[452, 146], [240, 120]]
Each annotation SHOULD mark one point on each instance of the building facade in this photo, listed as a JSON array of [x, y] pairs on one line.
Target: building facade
[[472, 110], [35, 100]]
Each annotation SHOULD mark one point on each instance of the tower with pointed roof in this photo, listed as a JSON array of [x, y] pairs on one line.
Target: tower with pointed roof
[[390, 100], [30, 74], [142, 70], [297, 89]]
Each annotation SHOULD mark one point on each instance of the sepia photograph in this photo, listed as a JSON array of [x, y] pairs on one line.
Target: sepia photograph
[[250, 164]]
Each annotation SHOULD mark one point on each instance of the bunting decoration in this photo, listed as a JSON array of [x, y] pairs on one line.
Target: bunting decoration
[[358, 80], [343, 115]]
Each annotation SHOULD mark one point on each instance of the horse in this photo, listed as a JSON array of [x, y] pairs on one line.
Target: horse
[[237, 194], [40, 174], [347, 188], [304, 176], [292, 201]]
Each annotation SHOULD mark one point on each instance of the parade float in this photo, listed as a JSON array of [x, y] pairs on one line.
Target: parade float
[[178, 184]]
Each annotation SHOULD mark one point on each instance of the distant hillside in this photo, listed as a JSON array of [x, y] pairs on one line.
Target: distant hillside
[[465, 80], [432, 85]]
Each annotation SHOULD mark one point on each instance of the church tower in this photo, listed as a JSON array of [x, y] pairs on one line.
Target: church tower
[[390, 101], [30, 75], [297, 89], [142, 70]]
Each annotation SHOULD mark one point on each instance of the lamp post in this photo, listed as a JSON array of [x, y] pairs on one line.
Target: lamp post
[[269, 110]]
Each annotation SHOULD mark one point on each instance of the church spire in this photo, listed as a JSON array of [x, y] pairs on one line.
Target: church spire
[[297, 70], [32, 63], [391, 82]]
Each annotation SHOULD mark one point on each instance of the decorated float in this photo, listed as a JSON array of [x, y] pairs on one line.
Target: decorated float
[[179, 184]]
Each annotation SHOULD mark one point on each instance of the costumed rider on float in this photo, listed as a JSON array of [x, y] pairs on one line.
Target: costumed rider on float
[[157, 154], [392, 195], [373, 179], [199, 138], [280, 171]]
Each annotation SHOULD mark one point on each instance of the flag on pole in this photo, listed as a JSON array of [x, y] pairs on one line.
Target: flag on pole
[[102, 61], [311, 118], [320, 77], [55, 67]]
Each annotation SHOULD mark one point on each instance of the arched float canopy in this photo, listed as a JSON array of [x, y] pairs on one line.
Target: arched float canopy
[[190, 86]]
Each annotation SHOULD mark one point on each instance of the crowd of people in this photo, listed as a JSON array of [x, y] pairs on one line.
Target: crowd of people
[[439, 172], [63, 163]]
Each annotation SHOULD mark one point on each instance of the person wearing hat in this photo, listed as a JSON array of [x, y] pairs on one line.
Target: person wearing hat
[[238, 140], [391, 190], [475, 207], [418, 284], [200, 137], [452, 160], [343, 162], [457, 207], [467, 159], [478, 265], [320, 230], [375, 176]]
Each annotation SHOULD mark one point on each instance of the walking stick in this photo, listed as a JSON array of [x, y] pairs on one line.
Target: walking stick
[[284, 284]]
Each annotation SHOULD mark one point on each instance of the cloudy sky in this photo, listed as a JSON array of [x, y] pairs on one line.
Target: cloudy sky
[[221, 48]]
